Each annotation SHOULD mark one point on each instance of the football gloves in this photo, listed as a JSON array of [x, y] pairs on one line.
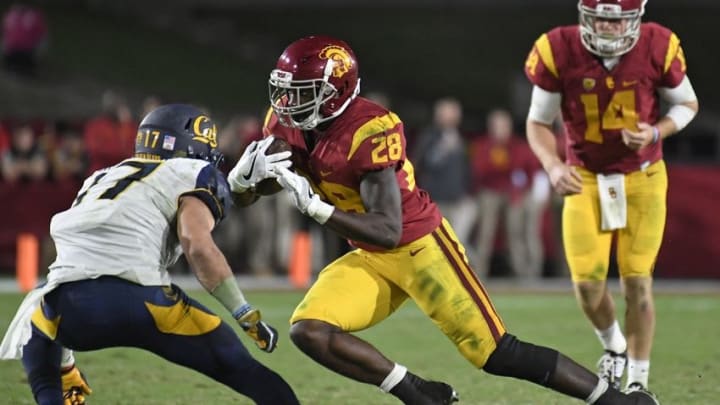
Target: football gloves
[[250, 320], [75, 387], [254, 164], [302, 194]]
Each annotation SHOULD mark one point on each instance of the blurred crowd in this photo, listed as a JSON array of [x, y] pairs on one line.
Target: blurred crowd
[[489, 185]]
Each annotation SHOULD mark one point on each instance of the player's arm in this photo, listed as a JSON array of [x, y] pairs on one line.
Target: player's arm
[[675, 88], [379, 225], [195, 222], [544, 108], [683, 108]]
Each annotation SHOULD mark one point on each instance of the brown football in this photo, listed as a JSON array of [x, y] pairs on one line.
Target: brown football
[[271, 186]]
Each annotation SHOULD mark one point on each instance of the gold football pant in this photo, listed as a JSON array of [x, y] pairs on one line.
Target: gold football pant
[[362, 288], [587, 248]]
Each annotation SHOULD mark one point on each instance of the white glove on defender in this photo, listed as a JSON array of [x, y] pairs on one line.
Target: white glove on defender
[[302, 194], [254, 165]]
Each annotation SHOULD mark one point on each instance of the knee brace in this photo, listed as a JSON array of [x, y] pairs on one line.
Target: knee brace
[[515, 358]]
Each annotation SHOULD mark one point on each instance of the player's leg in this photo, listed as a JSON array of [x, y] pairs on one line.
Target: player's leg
[[516, 239], [349, 296], [489, 206], [41, 360], [110, 312], [588, 250], [638, 247], [446, 288]]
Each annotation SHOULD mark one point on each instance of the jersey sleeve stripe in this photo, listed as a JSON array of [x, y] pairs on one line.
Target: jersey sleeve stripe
[[546, 55], [673, 47], [268, 115], [387, 122], [209, 199]]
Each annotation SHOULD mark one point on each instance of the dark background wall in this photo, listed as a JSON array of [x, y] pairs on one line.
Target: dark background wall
[[220, 52]]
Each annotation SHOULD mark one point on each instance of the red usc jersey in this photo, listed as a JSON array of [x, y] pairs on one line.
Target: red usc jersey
[[364, 138], [597, 103]]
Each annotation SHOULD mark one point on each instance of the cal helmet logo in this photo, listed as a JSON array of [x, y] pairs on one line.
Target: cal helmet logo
[[340, 57], [205, 131]]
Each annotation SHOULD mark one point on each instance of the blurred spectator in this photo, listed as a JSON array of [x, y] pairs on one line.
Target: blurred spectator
[[534, 206], [110, 137], [502, 164], [70, 159], [379, 97], [24, 160], [441, 165], [24, 38], [4, 139], [149, 103]]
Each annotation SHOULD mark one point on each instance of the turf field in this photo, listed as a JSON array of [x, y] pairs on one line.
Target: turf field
[[684, 370]]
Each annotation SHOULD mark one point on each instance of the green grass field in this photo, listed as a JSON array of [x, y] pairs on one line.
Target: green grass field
[[684, 369]]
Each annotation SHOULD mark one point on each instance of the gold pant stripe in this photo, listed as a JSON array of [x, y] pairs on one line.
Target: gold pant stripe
[[471, 284], [47, 326], [182, 319]]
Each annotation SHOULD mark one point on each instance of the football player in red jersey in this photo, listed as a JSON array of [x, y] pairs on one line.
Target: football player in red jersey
[[607, 75], [351, 174]]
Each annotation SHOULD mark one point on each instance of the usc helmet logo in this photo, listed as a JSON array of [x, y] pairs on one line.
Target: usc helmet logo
[[340, 57], [205, 131]]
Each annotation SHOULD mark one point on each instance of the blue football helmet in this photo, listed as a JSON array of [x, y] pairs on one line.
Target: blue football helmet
[[177, 130]]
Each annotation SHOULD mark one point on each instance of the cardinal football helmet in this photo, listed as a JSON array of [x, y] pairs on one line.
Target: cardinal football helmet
[[177, 130], [314, 81], [610, 45]]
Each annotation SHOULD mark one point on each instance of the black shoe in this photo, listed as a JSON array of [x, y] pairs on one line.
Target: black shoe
[[611, 367], [641, 394], [441, 393], [413, 390]]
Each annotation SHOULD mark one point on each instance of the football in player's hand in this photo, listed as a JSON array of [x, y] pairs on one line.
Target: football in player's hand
[[271, 186]]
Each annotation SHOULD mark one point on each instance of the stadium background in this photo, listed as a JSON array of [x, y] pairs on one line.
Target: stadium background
[[218, 53]]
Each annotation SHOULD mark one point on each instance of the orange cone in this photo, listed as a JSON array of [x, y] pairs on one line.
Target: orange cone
[[300, 258], [26, 266]]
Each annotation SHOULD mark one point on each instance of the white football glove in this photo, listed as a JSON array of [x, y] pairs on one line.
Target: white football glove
[[302, 195], [254, 164]]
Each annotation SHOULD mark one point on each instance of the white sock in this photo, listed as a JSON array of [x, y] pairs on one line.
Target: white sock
[[600, 389], [638, 371], [67, 359], [396, 375], [612, 338]]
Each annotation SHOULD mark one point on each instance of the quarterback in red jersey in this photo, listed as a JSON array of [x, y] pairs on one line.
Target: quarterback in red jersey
[[351, 175], [604, 75]]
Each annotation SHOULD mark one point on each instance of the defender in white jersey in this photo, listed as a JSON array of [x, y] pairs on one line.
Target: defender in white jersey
[[109, 285]]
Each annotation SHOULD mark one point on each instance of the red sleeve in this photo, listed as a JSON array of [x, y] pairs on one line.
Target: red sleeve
[[675, 65], [668, 55], [540, 66]]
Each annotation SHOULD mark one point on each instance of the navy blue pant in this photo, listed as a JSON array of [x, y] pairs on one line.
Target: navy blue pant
[[111, 312]]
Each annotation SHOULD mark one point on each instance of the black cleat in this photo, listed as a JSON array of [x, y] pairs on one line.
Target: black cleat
[[641, 395], [413, 390], [441, 393]]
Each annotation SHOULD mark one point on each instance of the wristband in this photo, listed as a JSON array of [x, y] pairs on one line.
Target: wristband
[[228, 293], [240, 312], [656, 135], [320, 210]]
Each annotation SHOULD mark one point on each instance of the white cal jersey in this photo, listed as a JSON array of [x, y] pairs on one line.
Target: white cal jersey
[[122, 222]]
